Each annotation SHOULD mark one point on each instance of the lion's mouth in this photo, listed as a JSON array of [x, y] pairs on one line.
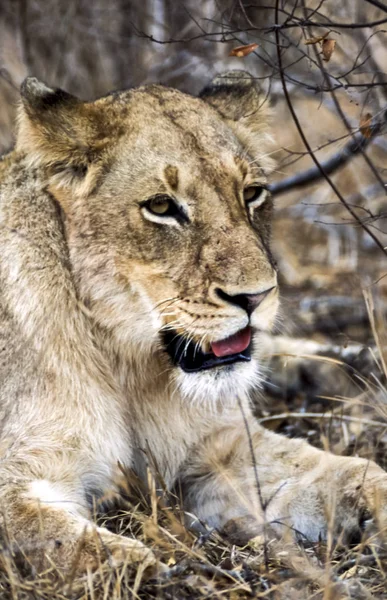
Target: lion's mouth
[[191, 358]]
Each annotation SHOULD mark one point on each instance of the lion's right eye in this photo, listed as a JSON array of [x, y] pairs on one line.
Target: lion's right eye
[[164, 210], [162, 206]]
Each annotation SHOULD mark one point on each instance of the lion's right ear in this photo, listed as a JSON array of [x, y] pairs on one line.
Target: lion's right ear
[[59, 132]]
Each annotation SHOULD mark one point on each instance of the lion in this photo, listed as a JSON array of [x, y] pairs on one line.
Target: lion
[[136, 290]]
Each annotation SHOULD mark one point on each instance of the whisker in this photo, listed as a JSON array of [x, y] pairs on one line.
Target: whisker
[[190, 338], [172, 299], [200, 342], [196, 347], [257, 160], [171, 326], [183, 339]]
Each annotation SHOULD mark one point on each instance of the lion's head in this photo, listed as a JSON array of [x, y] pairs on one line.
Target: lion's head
[[167, 218]]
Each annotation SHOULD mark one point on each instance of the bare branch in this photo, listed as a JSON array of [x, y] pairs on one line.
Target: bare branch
[[378, 4], [307, 145], [332, 164]]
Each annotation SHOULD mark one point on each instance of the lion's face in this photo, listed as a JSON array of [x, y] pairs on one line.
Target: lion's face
[[168, 223]]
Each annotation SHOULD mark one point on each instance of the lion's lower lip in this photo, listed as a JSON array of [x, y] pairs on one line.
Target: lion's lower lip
[[191, 358]]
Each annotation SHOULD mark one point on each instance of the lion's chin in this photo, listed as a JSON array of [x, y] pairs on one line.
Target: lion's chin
[[219, 385]]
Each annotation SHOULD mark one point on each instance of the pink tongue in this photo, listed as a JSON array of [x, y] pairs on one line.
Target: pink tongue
[[232, 345]]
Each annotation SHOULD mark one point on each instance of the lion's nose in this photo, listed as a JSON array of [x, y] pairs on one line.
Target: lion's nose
[[249, 302]]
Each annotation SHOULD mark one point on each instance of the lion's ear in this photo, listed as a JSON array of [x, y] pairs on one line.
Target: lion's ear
[[237, 96], [57, 131]]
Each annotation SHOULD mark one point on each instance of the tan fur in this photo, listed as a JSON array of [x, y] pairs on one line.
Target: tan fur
[[88, 280]]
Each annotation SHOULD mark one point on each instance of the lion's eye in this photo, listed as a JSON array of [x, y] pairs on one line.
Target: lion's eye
[[255, 195], [162, 206]]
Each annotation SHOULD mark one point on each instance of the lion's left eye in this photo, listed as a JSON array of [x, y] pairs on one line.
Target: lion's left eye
[[255, 195]]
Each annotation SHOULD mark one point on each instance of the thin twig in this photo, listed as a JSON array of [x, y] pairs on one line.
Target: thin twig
[[257, 482], [328, 416]]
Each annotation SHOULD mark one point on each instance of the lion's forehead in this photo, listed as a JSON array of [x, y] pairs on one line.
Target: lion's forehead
[[164, 120], [159, 162], [207, 183], [162, 127]]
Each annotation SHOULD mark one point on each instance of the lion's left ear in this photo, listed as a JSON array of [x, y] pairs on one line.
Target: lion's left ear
[[238, 98]]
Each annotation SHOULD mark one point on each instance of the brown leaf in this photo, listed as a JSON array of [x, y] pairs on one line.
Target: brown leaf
[[328, 47], [317, 39], [365, 125], [241, 51]]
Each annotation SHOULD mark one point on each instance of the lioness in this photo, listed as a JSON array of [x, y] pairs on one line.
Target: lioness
[[136, 285]]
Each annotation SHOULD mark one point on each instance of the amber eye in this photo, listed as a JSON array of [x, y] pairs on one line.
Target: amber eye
[[162, 206], [255, 195]]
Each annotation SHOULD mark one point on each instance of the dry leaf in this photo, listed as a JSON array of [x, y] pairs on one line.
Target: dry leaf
[[241, 51], [328, 47], [317, 39], [365, 125]]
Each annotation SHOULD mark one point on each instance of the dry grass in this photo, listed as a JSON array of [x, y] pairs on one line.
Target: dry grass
[[203, 565]]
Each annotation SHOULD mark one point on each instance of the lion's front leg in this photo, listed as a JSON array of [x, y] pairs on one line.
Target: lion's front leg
[[47, 521], [288, 486]]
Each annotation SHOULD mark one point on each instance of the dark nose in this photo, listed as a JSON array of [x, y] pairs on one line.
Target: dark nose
[[249, 302]]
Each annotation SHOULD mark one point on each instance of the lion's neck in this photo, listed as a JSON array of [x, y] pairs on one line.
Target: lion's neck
[[163, 423]]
